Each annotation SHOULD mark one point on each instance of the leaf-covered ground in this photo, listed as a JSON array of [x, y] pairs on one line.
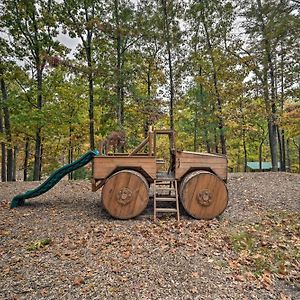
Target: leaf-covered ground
[[62, 245]]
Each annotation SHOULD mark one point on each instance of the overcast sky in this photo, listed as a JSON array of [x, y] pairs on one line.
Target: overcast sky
[[68, 42]]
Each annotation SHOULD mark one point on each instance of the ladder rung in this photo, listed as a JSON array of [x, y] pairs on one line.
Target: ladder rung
[[162, 183], [165, 179], [166, 199], [165, 195], [174, 210], [165, 189]]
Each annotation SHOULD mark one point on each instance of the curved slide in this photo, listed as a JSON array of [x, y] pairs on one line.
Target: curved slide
[[54, 178]]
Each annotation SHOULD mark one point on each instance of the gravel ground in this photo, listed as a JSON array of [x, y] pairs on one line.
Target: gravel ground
[[93, 256]]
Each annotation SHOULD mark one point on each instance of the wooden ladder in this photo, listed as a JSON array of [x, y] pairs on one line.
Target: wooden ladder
[[161, 186]]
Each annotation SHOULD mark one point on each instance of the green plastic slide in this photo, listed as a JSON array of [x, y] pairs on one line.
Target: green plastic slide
[[53, 179]]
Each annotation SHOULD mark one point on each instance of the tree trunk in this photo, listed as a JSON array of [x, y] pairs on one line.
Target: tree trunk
[[42, 149], [70, 160], [280, 148], [91, 111], [260, 154], [273, 145], [195, 134], [283, 163], [245, 151], [238, 160], [207, 141], [147, 121], [9, 162], [26, 157], [37, 156], [196, 126], [3, 150], [298, 148], [170, 65], [91, 89], [268, 68], [71, 151], [198, 104], [119, 79], [288, 156], [283, 151], [216, 141], [216, 87], [122, 93], [14, 177], [38, 142], [271, 121]]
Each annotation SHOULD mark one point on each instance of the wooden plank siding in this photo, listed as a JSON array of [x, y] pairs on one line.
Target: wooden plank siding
[[192, 160], [105, 165]]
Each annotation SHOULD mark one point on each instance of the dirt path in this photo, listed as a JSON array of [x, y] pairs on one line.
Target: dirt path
[[251, 252]]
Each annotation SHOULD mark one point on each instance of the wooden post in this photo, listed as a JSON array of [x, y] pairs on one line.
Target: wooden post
[[150, 135]]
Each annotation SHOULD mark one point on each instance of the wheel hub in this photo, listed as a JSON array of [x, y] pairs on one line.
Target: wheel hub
[[205, 198], [124, 196]]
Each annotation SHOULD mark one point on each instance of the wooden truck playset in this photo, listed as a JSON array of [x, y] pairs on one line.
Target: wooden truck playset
[[198, 180]]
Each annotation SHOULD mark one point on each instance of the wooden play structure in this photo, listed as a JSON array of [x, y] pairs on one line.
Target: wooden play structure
[[198, 180]]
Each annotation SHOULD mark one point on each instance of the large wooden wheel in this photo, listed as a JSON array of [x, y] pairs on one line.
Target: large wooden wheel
[[203, 195], [125, 194]]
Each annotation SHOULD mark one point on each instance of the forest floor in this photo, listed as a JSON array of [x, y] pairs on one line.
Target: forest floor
[[63, 245]]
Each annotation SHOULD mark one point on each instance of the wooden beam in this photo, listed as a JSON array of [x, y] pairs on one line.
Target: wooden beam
[[140, 146], [97, 184], [164, 131]]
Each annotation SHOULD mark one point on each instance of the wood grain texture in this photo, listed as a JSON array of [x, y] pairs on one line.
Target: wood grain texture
[[203, 195], [105, 165], [125, 194], [187, 160]]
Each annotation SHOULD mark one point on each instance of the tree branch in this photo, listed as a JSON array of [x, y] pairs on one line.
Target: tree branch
[[23, 89]]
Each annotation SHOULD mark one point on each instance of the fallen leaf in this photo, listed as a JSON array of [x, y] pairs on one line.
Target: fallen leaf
[[126, 254], [232, 264], [250, 276], [78, 281], [282, 270], [239, 278], [266, 280], [44, 292], [282, 296]]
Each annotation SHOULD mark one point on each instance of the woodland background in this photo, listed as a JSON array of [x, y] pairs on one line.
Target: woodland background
[[223, 74]]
